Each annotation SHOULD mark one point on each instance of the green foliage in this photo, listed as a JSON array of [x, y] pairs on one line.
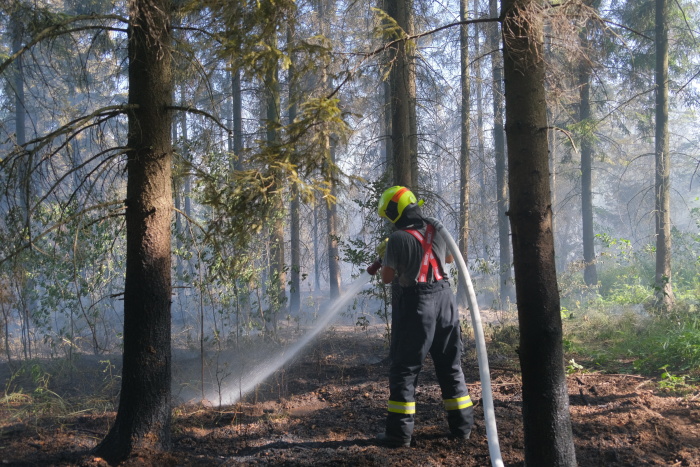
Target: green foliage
[[634, 340], [671, 382], [361, 251], [674, 344], [505, 339], [625, 276], [573, 367], [29, 390]]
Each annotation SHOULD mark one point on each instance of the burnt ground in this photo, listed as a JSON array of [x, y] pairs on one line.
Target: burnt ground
[[326, 407]]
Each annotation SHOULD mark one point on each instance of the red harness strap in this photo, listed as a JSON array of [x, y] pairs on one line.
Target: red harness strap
[[428, 257]]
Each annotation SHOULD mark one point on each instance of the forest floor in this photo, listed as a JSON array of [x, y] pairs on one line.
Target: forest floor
[[327, 406]]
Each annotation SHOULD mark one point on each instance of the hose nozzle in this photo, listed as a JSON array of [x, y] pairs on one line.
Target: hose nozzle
[[374, 267]]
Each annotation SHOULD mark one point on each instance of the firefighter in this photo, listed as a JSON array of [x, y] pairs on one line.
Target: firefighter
[[424, 319]]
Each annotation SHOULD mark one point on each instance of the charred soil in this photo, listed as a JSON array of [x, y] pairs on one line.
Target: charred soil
[[328, 405]]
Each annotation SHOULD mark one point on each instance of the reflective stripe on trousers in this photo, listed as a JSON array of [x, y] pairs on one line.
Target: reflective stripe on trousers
[[402, 407], [426, 321], [459, 403]]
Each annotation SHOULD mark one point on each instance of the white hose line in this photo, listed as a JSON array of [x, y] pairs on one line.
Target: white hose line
[[481, 355]]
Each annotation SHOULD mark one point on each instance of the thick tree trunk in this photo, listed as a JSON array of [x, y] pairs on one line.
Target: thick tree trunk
[[403, 98], [590, 274], [506, 286], [143, 418], [547, 424], [664, 294]]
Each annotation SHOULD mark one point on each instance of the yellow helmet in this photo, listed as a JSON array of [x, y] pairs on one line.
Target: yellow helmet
[[394, 200]]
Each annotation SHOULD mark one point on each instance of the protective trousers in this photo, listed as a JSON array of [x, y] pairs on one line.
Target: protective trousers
[[426, 320]]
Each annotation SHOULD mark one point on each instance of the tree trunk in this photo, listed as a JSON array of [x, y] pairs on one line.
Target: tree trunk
[[547, 424], [317, 256], [506, 287], [388, 149], [590, 274], [464, 154], [403, 99], [664, 294], [237, 117], [332, 227], [277, 275], [25, 178], [17, 33], [143, 418], [187, 187], [295, 269], [480, 146], [294, 227], [325, 10]]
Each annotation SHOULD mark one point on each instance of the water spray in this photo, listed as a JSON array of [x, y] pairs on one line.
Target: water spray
[[231, 392]]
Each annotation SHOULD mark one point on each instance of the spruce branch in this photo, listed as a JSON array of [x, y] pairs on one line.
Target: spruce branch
[[58, 29]]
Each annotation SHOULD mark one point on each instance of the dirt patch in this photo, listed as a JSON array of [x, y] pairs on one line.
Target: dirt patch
[[326, 408]]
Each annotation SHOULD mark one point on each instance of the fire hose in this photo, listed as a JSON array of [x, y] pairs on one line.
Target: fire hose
[[481, 355]]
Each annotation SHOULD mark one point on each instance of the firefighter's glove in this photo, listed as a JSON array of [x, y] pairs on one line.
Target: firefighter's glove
[[381, 248]]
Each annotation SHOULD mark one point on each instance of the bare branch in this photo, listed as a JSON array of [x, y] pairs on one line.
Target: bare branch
[[30, 244], [105, 113], [567, 134], [58, 30], [197, 111], [390, 44], [625, 103], [75, 169], [627, 28]]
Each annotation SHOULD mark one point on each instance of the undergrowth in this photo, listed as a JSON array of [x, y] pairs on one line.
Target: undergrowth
[[610, 338], [56, 389]]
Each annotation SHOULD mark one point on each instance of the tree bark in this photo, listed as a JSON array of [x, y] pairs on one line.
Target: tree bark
[[143, 418], [386, 95], [506, 286], [664, 292], [403, 100], [547, 424]]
